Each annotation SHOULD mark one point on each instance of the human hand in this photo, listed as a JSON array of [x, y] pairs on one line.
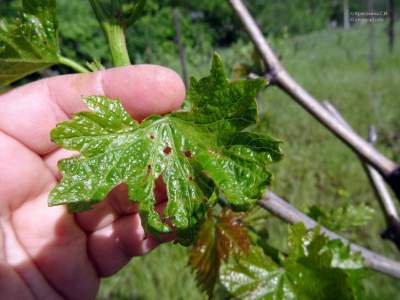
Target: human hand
[[47, 253]]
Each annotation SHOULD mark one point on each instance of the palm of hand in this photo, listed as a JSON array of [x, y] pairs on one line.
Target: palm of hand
[[46, 253]]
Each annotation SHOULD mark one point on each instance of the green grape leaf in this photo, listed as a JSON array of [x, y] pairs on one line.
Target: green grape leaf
[[197, 153], [29, 42], [218, 239], [256, 276], [322, 268], [343, 217], [314, 268]]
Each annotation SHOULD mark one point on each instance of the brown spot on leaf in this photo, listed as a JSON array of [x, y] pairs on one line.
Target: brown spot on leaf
[[148, 169], [152, 136], [188, 153], [167, 150], [191, 178]]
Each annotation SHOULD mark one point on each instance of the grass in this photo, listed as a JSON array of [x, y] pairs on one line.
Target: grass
[[317, 168], [162, 274]]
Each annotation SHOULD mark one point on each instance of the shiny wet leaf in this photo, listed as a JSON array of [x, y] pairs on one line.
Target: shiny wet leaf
[[314, 268], [218, 238], [197, 153]]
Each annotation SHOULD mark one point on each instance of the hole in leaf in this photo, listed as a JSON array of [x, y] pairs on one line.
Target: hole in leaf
[[167, 150], [188, 154], [120, 200], [161, 197], [160, 190]]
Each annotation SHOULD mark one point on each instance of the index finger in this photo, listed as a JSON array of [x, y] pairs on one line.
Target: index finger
[[30, 112]]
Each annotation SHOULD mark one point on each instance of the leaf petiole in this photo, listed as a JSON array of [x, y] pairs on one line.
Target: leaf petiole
[[72, 64], [116, 39], [114, 32]]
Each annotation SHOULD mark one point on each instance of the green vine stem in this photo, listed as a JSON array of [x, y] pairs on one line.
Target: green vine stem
[[116, 39], [115, 34], [72, 64]]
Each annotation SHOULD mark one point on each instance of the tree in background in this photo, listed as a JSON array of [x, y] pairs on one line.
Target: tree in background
[[346, 14], [203, 23], [392, 17]]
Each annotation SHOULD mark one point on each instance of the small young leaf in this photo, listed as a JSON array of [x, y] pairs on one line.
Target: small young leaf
[[255, 277], [343, 217], [314, 268], [321, 268], [29, 42], [194, 152], [218, 239]]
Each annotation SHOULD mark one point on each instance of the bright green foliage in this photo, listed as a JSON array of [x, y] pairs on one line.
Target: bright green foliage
[[197, 153], [218, 238], [256, 276], [314, 268], [344, 217], [320, 268], [29, 42]]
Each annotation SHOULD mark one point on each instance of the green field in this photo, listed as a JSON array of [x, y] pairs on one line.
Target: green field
[[317, 168]]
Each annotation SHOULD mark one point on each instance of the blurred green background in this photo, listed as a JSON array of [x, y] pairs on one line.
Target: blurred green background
[[352, 68]]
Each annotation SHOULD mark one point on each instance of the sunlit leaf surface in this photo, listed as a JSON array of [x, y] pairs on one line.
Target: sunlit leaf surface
[[314, 268], [197, 153]]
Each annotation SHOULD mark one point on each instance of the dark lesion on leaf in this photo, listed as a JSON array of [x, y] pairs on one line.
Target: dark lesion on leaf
[[148, 169], [151, 136], [167, 150], [191, 178], [187, 153]]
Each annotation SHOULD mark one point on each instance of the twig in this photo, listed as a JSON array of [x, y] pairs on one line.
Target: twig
[[386, 167], [392, 231], [379, 184], [389, 169], [290, 214], [376, 179]]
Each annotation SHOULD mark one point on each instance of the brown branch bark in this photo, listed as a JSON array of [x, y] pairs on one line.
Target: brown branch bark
[[392, 231], [389, 169], [280, 208]]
